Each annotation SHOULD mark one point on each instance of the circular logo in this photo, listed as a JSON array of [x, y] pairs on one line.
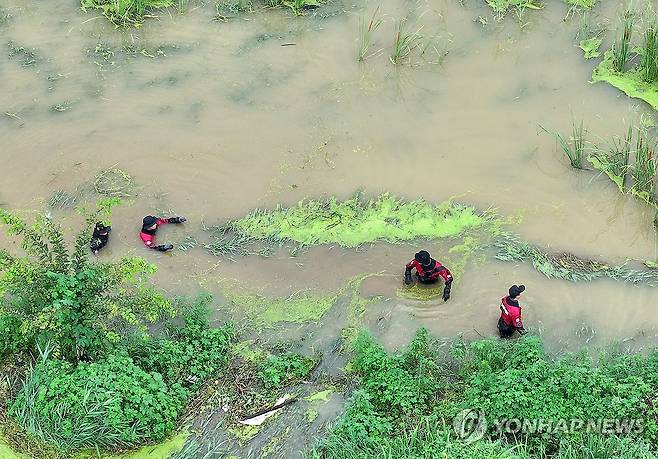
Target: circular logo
[[470, 425]]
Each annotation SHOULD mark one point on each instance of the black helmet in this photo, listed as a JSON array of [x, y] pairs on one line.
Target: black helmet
[[516, 290], [423, 257], [149, 221]]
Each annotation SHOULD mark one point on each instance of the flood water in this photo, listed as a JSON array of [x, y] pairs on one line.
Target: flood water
[[214, 119]]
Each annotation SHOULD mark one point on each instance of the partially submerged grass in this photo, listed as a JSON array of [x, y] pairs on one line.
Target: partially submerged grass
[[622, 45], [129, 12], [585, 4], [296, 6], [366, 31], [234, 7], [405, 42], [355, 221], [567, 266], [614, 162], [644, 170], [574, 147], [114, 182], [501, 7], [27, 57], [649, 64]]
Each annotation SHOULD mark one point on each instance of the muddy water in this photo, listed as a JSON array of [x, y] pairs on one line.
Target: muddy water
[[226, 118]]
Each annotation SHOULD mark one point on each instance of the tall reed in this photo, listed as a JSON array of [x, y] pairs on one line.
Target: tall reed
[[404, 43], [366, 30], [622, 45], [649, 64], [644, 169], [574, 147]]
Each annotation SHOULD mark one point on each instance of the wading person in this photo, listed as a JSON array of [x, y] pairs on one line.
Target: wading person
[[510, 313], [100, 237], [150, 226], [428, 271]]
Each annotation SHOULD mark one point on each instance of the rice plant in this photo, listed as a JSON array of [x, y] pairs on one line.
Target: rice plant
[[366, 30], [644, 169], [649, 64], [405, 43], [622, 45]]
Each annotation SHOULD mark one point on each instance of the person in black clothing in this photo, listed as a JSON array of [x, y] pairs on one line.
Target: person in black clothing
[[100, 237]]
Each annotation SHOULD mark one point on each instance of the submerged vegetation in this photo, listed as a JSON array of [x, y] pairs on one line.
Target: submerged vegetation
[[406, 404], [641, 79], [356, 221], [574, 147]]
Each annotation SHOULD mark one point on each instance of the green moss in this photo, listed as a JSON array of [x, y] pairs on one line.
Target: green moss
[[160, 451], [6, 452], [244, 433], [591, 47], [322, 396], [419, 292], [586, 4], [266, 311], [629, 82], [354, 222]]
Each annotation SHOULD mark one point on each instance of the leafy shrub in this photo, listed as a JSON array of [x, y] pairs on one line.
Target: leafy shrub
[[279, 369], [192, 352], [53, 294], [110, 404], [403, 408]]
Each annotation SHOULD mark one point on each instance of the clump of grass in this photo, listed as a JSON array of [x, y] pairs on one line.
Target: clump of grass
[[114, 182], [649, 64], [574, 147], [296, 6], [354, 222], [62, 107], [501, 7], [405, 42], [366, 30], [644, 169], [234, 7], [61, 199], [622, 45], [127, 12], [27, 57], [614, 162]]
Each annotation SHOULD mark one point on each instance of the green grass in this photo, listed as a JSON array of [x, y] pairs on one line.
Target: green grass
[[574, 147], [621, 47], [405, 42], [649, 64], [644, 170], [366, 31], [404, 402], [500, 7], [355, 221], [585, 4], [614, 162], [128, 12]]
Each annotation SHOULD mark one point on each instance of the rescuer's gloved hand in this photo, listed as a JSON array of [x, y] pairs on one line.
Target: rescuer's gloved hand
[[177, 220], [446, 291], [407, 277], [163, 247], [522, 331]]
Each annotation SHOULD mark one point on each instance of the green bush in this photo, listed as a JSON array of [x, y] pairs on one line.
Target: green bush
[[53, 294], [403, 407], [192, 352], [277, 370], [108, 405]]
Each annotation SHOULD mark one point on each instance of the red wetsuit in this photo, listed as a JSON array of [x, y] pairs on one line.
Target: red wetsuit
[[430, 275], [510, 313], [148, 236]]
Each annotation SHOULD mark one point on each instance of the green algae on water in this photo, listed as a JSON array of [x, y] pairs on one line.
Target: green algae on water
[[631, 82], [266, 311], [591, 47], [354, 222]]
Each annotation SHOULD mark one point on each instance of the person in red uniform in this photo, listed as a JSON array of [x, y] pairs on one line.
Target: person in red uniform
[[428, 271], [150, 226], [510, 313]]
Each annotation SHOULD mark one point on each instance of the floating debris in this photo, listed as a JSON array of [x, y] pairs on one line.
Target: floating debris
[[114, 182]]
